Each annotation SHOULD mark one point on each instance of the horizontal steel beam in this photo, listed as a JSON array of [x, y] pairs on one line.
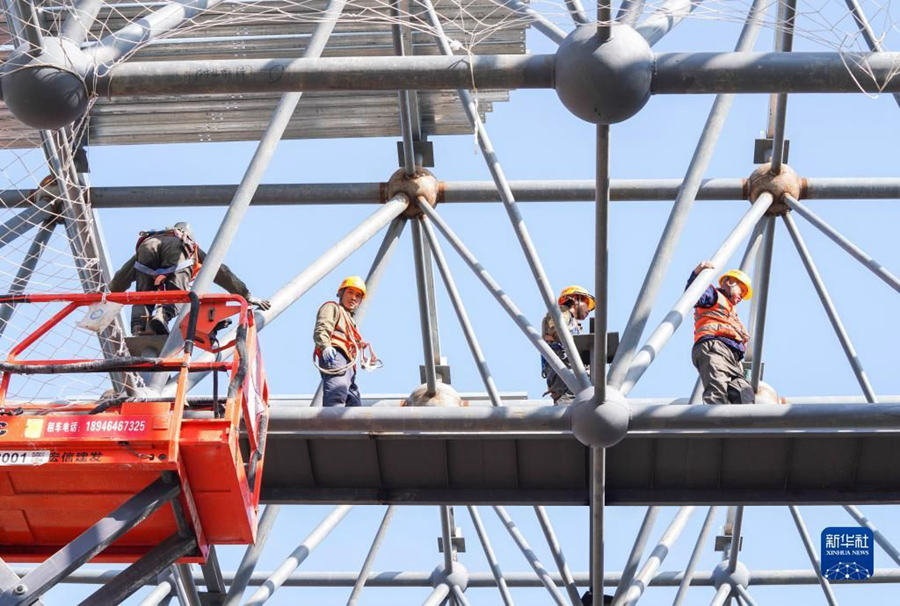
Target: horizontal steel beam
[[485, 579], [621, 190], [726, 72], [658, 420]]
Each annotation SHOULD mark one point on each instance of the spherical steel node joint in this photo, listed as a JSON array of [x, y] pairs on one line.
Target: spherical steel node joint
[[785, 182], [419, 185], [47, 91], [721, 575], [444, 395], [458, 576], [607, 82], [604, 425]]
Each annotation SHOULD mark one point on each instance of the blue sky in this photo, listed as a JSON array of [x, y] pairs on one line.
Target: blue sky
[[535, 138]]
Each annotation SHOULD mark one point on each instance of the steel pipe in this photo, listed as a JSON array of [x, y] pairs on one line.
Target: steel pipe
[[684, 201], [601, 266], [455, 192], [666, 329], [559, 558], [277, 578], [540, 22], [648, 570], [77, 26], [734, 550], [813, 556], [426, 303], [866, 30], [695, 557], [761, 298], [830, 309], [882, 540], [244, 572], [784, 43], [630, 11], [857, 253], [490, 557], [512, 210], [437, 596], [637, 550], [722, 594], [669, 14], [370, 556], [468, 332], [20, 283], [529, 554], [596, 528], [500, 295]]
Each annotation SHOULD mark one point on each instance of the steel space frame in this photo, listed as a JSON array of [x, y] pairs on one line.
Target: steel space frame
[[779, 73]]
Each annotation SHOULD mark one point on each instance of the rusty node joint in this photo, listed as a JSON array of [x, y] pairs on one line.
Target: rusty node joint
[[421, 184], [785, 182]]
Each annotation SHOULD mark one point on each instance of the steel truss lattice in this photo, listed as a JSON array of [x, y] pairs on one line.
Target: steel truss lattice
[[412, 74]]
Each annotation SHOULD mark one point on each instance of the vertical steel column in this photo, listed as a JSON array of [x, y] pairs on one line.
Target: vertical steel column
[[857, 253], [637, 550], [750, 265], [26, 269], [461, 314], [489, 556], [251, 557], [409, 124], [449, 551], [532, 558], [425, 306], [696, 392], [297, 557], [558, 556], [370, 557], [687, 194], [601, 261], [500, 295], [866, 30], [642, 579], [695, 557], [185, 588], [512, 210], [813, 557], [830, 309], [736, 538], [657, 340], [784, 43], [244, 193], [597, 513], [761, 297], [879, 538]]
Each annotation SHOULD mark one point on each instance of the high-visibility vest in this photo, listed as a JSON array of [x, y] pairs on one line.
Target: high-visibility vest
[[345, 336], [190, 249], [720, 320]]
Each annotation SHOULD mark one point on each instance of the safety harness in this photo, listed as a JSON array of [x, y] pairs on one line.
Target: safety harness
[[346, 337], [188, 245]]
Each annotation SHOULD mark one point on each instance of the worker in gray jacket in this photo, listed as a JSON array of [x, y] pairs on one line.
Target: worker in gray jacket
[[169, 259]]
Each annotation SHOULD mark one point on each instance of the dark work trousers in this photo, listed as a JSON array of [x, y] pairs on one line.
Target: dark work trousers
[[157, 253], [340, 390], [721, 374]]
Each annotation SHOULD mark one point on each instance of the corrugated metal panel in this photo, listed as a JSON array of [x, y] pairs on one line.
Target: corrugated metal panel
[[280, 29]]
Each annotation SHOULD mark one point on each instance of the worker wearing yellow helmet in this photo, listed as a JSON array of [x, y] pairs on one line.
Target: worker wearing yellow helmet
[[575, 303], [720, 340], [338, 343]]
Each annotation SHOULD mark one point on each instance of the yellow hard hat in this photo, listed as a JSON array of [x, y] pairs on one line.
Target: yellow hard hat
[[741, 277], [353, 282], [569, 291]]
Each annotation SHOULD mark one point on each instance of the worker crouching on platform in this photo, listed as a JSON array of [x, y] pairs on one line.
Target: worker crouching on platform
[[338, 344], [169, 259], [720, 339], [575, 303]]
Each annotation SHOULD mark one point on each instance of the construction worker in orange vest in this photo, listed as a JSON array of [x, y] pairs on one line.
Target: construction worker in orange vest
[[575, 303], [338, 344], [169, 259], [720, 340]]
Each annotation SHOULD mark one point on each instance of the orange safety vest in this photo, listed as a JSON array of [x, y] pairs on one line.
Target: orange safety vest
[[345, 336], [190, 248], [720, 320]]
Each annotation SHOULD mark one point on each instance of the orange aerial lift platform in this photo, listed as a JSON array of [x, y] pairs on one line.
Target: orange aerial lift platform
[[131, 478]]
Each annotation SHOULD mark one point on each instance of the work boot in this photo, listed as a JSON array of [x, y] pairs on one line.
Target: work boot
[[158, 323]]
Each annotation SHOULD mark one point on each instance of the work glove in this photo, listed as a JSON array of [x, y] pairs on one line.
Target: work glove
[[329, 354], [262, 304]]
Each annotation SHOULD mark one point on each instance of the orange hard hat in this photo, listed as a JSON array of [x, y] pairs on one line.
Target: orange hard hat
[[353, 282], [741, 278], [576, 290]]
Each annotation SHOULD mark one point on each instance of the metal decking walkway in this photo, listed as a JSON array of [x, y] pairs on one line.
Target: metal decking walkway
[[527, 455]]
